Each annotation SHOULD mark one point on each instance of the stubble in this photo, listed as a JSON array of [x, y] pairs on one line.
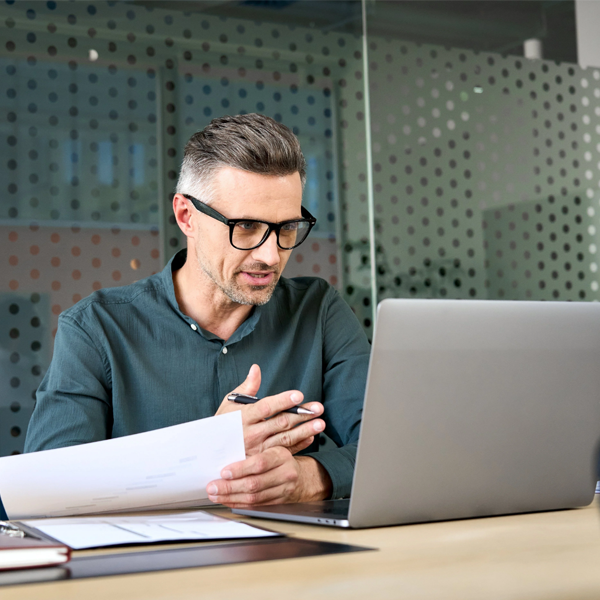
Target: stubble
[[242, 294]]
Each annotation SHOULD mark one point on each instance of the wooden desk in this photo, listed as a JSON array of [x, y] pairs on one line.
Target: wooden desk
[[539, 556]]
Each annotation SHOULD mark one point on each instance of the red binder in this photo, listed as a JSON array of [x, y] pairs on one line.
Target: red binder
[[27, 552]]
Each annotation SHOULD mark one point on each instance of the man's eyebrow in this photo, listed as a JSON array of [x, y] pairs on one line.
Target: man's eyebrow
[[265, 220]]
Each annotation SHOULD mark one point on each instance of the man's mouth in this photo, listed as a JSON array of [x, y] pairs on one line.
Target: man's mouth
[[258, 278]]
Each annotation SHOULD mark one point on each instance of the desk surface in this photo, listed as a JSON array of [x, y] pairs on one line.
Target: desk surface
[[544, 555]]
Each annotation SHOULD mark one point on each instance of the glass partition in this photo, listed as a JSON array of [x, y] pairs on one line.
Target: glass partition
[[486, 170], [476, 169], [97, 100]]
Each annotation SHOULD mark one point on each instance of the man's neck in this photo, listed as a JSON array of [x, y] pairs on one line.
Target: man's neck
[[199, 298]]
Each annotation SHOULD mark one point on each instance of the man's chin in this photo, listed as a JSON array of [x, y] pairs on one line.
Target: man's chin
[[259, 294], [251, 295], [256, 294]]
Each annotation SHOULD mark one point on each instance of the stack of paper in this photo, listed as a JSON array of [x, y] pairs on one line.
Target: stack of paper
[[165, 468], [92, 532]]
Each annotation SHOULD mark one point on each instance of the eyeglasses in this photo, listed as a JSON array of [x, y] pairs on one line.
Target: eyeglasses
[[248, 234]]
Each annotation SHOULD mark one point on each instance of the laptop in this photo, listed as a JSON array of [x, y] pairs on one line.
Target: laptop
[[473, 408]]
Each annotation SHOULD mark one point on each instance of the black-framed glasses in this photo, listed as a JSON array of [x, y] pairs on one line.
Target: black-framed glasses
[[248, 234]]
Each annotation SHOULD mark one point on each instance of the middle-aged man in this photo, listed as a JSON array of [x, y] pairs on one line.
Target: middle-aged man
[[220, 318]]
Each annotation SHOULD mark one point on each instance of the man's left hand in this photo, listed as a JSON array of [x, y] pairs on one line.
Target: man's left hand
[[274, 476]]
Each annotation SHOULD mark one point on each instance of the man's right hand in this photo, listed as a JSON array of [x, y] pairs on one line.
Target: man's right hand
[[265, 423]]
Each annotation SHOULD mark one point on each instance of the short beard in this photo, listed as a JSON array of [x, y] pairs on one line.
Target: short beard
[[234, 292]]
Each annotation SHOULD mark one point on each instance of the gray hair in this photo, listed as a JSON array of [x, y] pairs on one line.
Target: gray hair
[[252, 143]]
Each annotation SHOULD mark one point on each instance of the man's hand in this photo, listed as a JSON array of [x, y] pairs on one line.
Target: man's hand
[[267, 426], [271, 477], [271, 474]]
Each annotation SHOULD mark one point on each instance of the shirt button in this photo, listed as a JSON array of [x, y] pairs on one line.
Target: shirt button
[[193, 326], [224, 350]]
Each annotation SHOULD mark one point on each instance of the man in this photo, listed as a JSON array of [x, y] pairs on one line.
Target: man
[[167, 349]]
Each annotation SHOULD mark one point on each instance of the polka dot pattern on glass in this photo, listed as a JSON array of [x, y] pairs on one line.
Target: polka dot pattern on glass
[[99, 100], [486, 177]]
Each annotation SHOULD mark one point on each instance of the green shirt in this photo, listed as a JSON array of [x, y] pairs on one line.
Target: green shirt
[[127, 360]]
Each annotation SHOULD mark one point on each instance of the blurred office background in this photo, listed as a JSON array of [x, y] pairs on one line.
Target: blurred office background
[[462, 162]]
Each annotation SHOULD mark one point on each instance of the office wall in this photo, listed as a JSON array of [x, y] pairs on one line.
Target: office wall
[[97, 100]]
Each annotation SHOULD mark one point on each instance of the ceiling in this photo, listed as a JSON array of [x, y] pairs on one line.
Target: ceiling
[[488, 25]]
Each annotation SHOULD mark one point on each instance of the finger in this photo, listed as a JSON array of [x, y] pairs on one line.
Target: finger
[[257, 434], [301, 445], [267, 411], [257, 464], [289, 421], [272, 405], [292, 437], [250, 387], [252, 484], [251, 384], [316, 407], [254, 488], [254, 467], [274, 495]]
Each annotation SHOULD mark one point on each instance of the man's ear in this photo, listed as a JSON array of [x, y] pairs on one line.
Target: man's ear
[[183, 214]]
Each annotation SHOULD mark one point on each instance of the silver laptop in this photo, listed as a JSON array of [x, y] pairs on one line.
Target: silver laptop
[[472, 408]]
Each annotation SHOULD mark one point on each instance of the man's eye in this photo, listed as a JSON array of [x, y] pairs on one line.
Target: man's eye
[[247, 225], [289, 227]]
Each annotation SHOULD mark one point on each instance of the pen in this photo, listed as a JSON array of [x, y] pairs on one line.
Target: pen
[[244, 399]]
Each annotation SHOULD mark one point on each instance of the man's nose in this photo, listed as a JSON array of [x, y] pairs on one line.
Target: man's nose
[[268, 252]]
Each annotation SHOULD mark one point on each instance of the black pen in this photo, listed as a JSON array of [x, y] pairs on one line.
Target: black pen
[[245, 399]]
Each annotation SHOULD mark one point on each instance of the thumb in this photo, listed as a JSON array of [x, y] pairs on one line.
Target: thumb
[[251, 385]]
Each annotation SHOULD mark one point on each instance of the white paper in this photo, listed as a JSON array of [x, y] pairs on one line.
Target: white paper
[[93, 532], [157, 469]]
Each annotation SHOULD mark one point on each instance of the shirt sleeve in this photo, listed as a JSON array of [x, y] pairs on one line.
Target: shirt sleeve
[[346, 353], [74, 399]]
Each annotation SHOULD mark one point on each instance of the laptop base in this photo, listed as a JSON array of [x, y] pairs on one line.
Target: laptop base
[[327, 512]]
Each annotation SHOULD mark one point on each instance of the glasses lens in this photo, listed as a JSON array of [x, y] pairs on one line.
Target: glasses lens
[[293, 234], [248, 234]]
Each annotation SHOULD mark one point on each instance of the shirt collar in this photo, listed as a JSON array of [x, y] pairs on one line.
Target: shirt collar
[[176, 262]]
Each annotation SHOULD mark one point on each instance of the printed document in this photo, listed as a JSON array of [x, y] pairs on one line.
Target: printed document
[[165, 468], [93, 532]]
